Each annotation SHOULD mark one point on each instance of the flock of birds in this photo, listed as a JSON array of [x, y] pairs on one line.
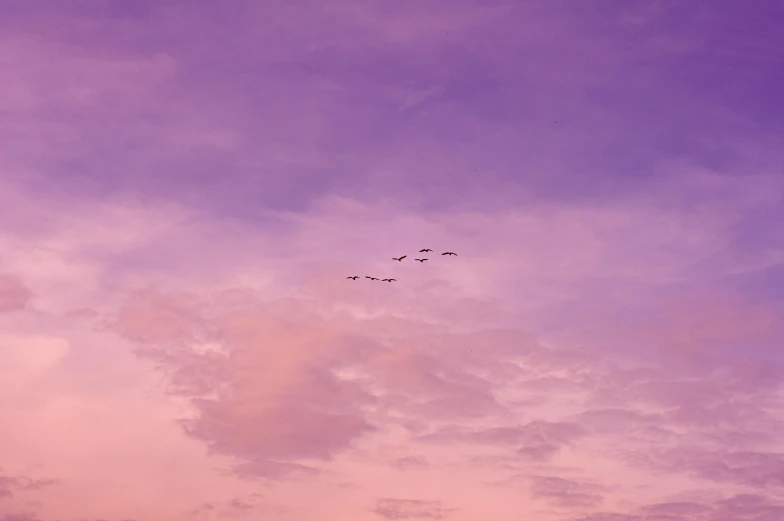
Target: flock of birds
[[400, 259]]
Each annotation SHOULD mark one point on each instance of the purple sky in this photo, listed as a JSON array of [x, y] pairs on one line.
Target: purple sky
[[185, 185]]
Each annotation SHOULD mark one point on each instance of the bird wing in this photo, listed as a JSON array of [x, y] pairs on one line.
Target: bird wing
[[404, 256]]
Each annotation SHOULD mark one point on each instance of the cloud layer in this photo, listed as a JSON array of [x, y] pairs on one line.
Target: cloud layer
[[187, 187]]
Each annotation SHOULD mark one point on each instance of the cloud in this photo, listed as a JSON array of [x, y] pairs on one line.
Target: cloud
[[279, 402], [675, 509], [239, 504], [738, 507], [14, 295], [19, 517], [392, 508], [410, 462], [297, 390], [566, 493], [756, 469], [609, 516], [186, 187], [748, 506], [537, 440], [10, 484], [237, 507], [267, 365]]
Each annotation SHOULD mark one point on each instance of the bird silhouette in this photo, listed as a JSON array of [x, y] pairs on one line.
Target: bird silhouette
[[371, 278], [449, 253], [421, 260], [355, 277], [387, 280], [399, 258], [425, 250]]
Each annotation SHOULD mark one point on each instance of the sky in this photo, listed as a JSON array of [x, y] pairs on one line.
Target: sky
[[186, 185]]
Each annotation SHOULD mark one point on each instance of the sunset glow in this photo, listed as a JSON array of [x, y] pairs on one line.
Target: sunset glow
[[185, 187]]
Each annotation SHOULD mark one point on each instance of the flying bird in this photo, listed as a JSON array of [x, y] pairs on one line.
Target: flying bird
[[387, 280], [425, 250], [371, 278], [355, 277], [421, 260], [399, 258], [449, 253]]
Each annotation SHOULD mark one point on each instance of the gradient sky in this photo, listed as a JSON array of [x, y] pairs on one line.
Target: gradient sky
[[185, 185]]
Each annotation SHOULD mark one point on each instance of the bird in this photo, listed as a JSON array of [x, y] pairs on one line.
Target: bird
[[425, 250], [371, 278], [355, 277], [421, 260], [399, 258], [387, 280], [449, 253]]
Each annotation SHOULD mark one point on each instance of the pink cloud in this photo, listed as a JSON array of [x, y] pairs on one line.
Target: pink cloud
[[19, 517], [749, 506], [609, 516], [392, 508], [185, 188], [410, 462], [756, 469], [264, 368], [739, 507], [277, 405], [674, 509], [14, 295], [10, 484], [537, 440], [566, 493]]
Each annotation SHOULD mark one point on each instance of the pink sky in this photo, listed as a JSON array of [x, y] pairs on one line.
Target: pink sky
[[185, 187]]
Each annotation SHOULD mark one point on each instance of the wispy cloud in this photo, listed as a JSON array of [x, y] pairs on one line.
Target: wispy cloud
[[391, 508]]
